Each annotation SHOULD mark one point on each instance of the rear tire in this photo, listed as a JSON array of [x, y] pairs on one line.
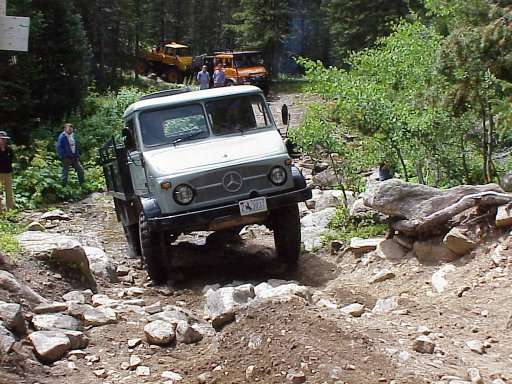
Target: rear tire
[[173, 75], [153, 249], [285, 222]]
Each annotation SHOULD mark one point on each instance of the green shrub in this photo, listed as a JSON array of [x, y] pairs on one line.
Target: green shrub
[[344, 227], [9, 227]]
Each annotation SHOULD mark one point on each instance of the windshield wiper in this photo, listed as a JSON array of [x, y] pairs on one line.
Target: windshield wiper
[[187, 137]]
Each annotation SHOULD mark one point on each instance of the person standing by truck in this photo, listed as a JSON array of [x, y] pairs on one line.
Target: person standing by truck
[[6, 159], [203, 78], [67, 150], [219, 78]]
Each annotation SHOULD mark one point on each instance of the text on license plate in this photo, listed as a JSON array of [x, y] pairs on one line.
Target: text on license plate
[[251, 206]]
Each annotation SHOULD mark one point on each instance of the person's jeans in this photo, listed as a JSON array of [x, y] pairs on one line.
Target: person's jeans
[[6, 184], [75, 163]]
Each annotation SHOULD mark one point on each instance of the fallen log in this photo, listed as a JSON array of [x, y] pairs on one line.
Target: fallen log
[[438, 219]]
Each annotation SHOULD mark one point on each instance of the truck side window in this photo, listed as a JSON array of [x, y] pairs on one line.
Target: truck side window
[[129, 135]]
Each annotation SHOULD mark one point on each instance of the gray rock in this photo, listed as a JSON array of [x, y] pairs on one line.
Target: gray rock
[[355, 310], [287, 291], [50, 346], [457, 242], [243, 293], [314, 225], [53, 321], [384, 306], [103, 300], [187, 334], [360, 211], [423, 344], [476, 346], [77, 339], [11, 284], [474, 376], [360, 246], [101, 264], [51, 308], [99, 316], [56, 214], [500, 254], [504, 216], [398, 198], [204, 378], [134, 362], [172, 376], [76, 296], [159, 332], [12, 317], [439, 283], [389, 249], [433, 251], [77, 310], [60, 249], [142, 370], [325, 179], [132, 343], [153, 308], [220, 301], [295, 377], [382, 275], [170, 316], [7, 340]]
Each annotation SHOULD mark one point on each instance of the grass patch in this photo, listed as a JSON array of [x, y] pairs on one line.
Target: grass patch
[[345, 227], [10, 226], [289, 84]]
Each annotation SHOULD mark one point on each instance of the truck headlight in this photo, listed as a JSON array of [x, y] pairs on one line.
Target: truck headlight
[[183, 194], [278, 175]]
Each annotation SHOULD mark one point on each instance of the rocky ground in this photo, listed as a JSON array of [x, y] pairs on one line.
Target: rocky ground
[[75, 309]]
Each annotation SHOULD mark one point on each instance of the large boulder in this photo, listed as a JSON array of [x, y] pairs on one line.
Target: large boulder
[[59, 249], [159, 332], [404, 200], [12, 285], [314, 225], [12, 317], [50, 346], [101, 264]]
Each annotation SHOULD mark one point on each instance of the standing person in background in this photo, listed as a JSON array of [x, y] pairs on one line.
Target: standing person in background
[[219, 78], [6, 159], [67, 150], [203, 78]]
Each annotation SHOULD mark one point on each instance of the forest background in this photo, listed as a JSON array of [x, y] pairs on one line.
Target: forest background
[[422, 85]]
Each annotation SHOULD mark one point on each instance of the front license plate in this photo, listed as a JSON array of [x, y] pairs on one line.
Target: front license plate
[[251, 206]]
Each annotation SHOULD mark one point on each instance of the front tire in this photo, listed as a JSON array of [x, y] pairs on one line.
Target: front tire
[[173, 75], [153, 249], [285, 222]]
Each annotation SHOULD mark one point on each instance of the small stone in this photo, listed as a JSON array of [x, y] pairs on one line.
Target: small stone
[[326, 303], [173, 376], [498, 381], [100, 316], [142, 370], [422, 330], [50, 308], [476, 346], [504, 216], [295, 377], [203, 378], [159, 332], [186, 334], [153, 308], [92, 358], [122, 270], [56, 214], [135, 291], [100, 373], [134, 362], [50, 346], [457, 242], [249, 372], [132, 343], [49, 322], [403, 356], [78, 339], [423, 344], [75, 296], [12, 317], [103, 300], [474, 376], [355, 310], [384, 306], [125, 365], [7, 340], [382, 275], [78, 353]]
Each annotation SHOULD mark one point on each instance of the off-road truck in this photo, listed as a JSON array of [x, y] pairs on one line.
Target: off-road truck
[[170, 61], [210, 160]]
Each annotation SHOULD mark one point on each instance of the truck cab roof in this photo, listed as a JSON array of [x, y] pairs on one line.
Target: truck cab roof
[[190, 97]]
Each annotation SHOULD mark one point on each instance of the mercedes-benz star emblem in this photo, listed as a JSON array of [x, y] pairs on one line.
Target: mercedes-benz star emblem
[[232, 181]]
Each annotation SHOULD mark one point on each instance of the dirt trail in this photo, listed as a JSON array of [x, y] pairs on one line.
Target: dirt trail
[[277, 336]]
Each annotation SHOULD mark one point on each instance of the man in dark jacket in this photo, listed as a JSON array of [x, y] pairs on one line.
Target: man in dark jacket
[[6, 159], [67, 150]]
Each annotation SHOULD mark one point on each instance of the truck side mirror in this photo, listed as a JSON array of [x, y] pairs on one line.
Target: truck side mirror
[[285, 116], [128, 139]]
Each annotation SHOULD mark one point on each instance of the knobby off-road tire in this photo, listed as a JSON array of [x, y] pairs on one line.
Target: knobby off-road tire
[[173, 75], [153, 249], [286, 226], [131, 233]]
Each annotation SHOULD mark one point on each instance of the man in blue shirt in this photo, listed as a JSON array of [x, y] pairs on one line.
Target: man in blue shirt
[[203, 78], [219, 78], [67, 150]]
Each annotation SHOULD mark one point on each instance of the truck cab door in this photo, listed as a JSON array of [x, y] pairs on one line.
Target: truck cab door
[[135, 161]]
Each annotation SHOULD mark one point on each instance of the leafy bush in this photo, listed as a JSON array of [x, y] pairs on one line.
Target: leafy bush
[[344, 227], [9, 227]]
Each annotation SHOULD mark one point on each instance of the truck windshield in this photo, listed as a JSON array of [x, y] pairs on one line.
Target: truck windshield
[[237, 114], [173, 125]]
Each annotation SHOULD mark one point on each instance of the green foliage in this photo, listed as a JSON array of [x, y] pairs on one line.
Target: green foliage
[[344, 227], [9, 227]]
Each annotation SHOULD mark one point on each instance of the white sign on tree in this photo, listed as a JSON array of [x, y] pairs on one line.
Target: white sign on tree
[[13, 31]]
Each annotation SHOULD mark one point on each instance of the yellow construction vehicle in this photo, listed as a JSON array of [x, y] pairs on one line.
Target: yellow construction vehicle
[[170, 61]]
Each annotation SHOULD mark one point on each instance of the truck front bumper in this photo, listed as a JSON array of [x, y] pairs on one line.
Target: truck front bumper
[[202, 219]]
